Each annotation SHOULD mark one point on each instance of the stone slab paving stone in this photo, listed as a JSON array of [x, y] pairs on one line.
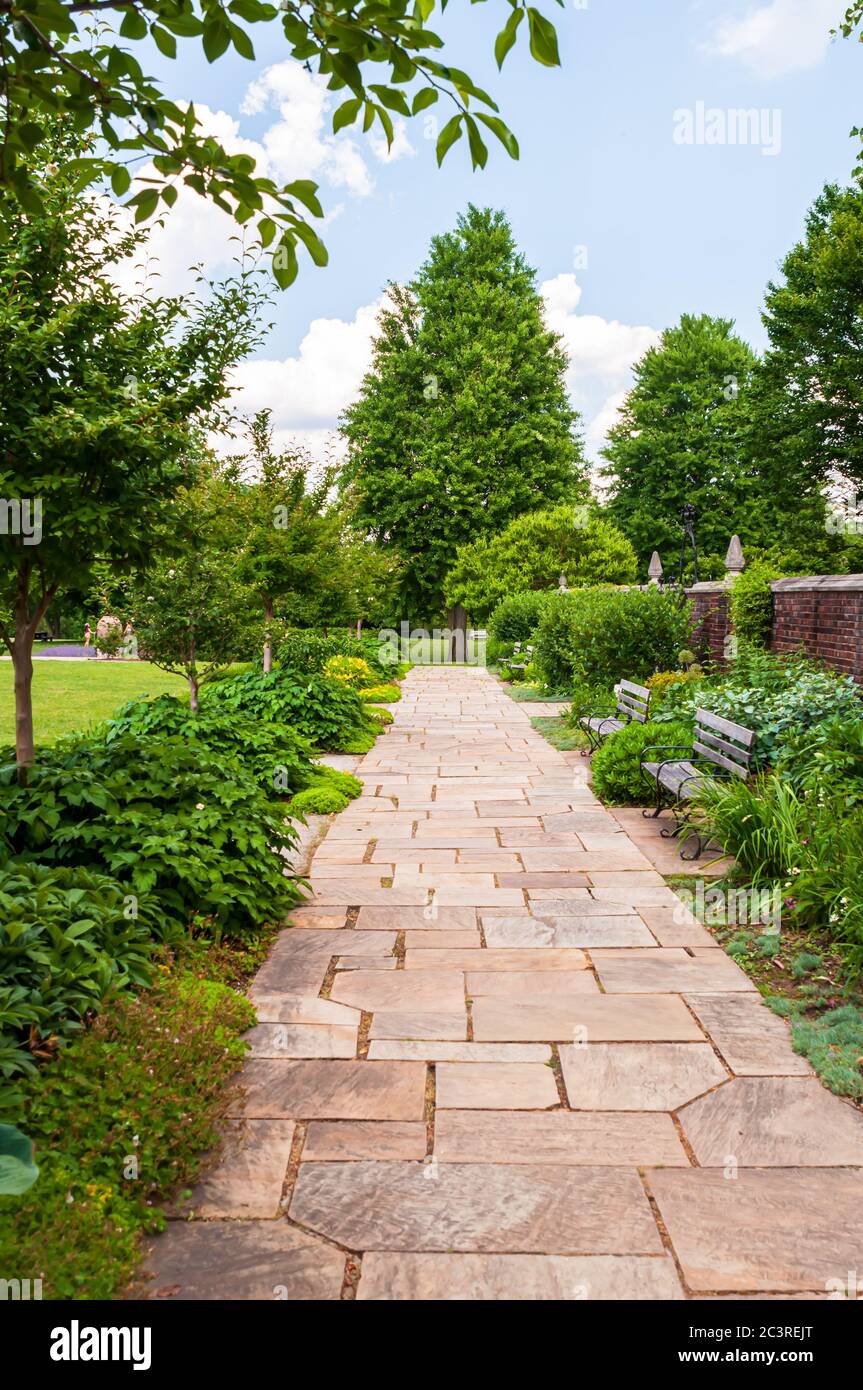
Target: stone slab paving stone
[[602, 1018], [557, 1137], [526, 1208], [356, 1140], [395, 919], [753, 1040], [419, 1025], [243, 1260], [539, 960], [543, 880], [494, 1086], [781, 1230], [470, 940], [677, 927], [525, 932], [431, 1051], [302, 1040], [639, 1076], [766, 1121], [278, 1007], [426, 991], [528, 985], [669, 969], [366, 963], [316, 917], [333, 1090], [482, 1278], [247, 1181]]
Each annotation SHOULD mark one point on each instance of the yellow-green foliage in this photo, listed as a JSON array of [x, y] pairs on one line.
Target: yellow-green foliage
[[380, 715], [350, 670], [660, 683], [385, 694]]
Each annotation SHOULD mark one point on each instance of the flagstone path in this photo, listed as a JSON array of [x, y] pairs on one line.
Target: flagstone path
[[497, 1058]]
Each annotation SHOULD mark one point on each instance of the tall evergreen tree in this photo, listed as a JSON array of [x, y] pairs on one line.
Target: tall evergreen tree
[[463, 421], [680, 438]]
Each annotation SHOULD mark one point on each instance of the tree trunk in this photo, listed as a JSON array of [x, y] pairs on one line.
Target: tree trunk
[[22, 662], [457, 623], [268, 636], [193, 692], [359, 628]]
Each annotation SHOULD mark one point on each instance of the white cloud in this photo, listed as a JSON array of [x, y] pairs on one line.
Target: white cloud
[[308, 392], [602, 353], [778, 38]]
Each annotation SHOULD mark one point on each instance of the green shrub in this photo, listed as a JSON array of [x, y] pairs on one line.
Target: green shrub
[[320, 800], [381, 694], [350, 670], [380, 715], [829, 754], [309, 652], [66, 939], [597, 637], [119, 1120], [778, 699], [661, 682], [617, 776], [516, 618], [751, 604], [275, 755], [325, 711], [164, 817]]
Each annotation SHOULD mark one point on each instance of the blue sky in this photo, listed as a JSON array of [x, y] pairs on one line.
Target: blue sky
[[665, 227]]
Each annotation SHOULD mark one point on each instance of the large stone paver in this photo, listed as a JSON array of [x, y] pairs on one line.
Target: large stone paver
[[492, 1039]]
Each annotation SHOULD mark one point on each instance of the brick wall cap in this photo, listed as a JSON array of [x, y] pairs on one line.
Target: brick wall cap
[[836, 582], [713, 586]]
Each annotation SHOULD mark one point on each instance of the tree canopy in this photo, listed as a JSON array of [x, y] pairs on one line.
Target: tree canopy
[[463, 421], [533, 552], [61, 59]]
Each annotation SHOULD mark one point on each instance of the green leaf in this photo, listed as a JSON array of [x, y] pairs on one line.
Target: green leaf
[[134, 25], [145, 203], [169, 194], [506, 38], [120, 180], [426, 97], [306, 191], [451, 132], [242, 43], [18, 1172], [285, 266], [217, 36], [312, 242], [478, 150], [347, 113], [165, 42], [543, 39], [502, 131]]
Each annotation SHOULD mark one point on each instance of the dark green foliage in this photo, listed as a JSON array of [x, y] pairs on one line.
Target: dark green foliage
[[617, 776], [830, 753], [463, 421], [66, 939], [516, 618], [327, 712], [309, 652], [600, 636], [144, 1086], [751, 604], [164, 816], [680, 439], [275, 755]]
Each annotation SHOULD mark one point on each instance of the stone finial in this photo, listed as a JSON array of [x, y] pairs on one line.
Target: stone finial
[[561, 583], [734, 559], [654, 569]]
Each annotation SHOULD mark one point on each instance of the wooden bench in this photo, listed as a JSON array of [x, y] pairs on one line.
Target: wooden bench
[[720, 748], [513, 663], [633, 704]]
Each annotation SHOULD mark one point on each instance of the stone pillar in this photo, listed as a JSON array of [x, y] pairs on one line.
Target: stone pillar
[[654, 569]]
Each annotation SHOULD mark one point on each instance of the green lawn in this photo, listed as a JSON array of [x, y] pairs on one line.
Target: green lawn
[[70, 695]]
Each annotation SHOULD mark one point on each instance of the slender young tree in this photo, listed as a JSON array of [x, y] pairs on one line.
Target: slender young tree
[[103, 398], [463, 421]]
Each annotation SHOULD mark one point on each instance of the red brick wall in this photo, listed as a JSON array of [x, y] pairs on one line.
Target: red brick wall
[[824, 616], [711, 622]]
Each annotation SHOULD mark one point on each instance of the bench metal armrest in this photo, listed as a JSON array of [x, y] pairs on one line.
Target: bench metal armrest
[[666, 748]]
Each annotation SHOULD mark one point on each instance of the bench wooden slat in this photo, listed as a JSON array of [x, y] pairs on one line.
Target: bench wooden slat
[[628, 703], [725, 726], [732, 750], [739, 770], [640, 692]]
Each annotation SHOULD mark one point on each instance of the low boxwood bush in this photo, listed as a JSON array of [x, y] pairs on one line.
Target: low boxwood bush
[[319, 800], [68, 937], [163, 816], [596, 637], [617, 777], [276, 755], [327, 712], [380, 715], [119, 1120]]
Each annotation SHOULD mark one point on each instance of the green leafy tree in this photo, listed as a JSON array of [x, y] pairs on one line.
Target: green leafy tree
[[188, 609], [534, 551], [808, 406], [58, 61], [290, 542], [463, 421], [680, 438], [852, 23], [104, 396]]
